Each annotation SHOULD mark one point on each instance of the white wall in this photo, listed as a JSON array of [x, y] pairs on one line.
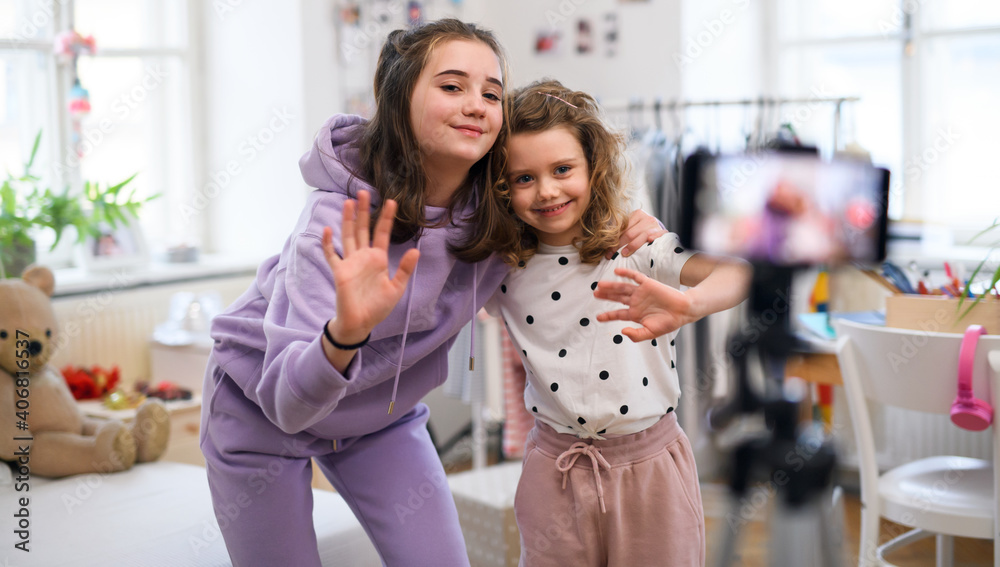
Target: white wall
[[270, 81], [719, 50], [273, 74], [648, 35]]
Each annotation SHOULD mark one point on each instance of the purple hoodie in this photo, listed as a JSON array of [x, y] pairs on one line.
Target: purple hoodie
[[268, 340]]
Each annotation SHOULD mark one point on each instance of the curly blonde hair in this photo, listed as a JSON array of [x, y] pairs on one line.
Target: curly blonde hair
[[541, 106]]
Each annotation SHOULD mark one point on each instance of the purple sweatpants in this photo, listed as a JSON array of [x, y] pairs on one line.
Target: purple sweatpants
[[260, 478]]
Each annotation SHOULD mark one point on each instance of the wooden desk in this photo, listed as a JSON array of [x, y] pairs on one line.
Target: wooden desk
[[820, 368]]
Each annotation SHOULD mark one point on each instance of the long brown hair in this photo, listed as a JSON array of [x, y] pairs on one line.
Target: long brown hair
[[390, 158], [541, 106]]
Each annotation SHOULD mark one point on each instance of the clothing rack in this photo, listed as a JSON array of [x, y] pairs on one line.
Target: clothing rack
[[638, 103], [658, 104]]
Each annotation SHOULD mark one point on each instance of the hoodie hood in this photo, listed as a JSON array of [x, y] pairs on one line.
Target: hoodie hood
[[324, 165]]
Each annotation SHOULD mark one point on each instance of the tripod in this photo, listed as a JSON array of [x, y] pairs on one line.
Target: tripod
[[797, 467]]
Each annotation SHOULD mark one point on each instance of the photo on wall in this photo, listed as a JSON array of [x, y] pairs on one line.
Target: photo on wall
[[547, 42], [611, 34], [584, 36]]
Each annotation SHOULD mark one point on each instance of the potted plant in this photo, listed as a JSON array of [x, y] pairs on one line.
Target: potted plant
[[994, 278], [26, 207]]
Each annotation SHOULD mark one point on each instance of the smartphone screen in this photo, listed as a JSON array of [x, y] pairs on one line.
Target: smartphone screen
[[789, 209]]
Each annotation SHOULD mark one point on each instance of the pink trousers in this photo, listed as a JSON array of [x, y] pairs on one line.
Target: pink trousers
[[631, 501]]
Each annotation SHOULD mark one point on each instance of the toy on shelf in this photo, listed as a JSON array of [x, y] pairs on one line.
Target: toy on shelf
[[90, 383], [164, 390]]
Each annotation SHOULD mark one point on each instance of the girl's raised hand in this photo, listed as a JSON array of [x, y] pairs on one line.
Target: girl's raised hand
[[659, 308], [365, 292]]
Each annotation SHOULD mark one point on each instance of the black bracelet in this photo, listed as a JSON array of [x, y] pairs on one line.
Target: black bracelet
[[336, 345]]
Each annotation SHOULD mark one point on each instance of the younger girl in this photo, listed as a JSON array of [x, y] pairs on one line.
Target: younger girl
[[326, 357], [608, 476]]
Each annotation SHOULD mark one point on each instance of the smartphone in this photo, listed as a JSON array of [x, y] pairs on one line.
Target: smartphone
[[785, 208]]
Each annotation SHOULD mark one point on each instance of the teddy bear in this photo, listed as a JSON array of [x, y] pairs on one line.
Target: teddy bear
[[41, 425]]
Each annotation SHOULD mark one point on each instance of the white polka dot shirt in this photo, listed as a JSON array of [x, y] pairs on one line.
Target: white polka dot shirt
[[584, 377]]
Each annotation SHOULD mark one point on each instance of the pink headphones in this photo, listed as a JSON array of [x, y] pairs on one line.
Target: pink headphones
[[967, 411]]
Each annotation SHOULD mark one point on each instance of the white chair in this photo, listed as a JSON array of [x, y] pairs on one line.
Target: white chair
[[945, 496]]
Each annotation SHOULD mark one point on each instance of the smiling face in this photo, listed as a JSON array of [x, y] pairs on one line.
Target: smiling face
[[549, 181], [455, 109]]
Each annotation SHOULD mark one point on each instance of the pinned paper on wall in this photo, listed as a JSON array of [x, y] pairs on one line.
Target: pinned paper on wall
[[611, 34], [584, 36], [350, 14], [382, 11], [415, 13], [547, 42]]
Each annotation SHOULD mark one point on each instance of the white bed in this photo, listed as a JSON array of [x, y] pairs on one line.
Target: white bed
[[156, 514]]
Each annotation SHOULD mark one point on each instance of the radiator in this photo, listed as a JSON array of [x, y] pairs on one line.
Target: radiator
[[904, 435], [114, 326]]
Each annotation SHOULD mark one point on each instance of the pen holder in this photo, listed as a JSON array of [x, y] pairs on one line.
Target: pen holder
[[940, 314]]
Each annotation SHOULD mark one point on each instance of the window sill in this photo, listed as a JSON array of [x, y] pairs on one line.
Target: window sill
[[79, 281]]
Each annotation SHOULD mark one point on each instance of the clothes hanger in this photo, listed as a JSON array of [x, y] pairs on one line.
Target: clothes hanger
[[675, 119], [717, 116], [747, 125], [758, 133], [657, 105]]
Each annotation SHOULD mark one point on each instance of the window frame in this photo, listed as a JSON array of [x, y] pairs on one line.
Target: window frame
[[910, 38], [59, 78]]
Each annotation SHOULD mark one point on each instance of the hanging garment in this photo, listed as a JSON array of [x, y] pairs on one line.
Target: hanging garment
[[517, 421], [462, 383]]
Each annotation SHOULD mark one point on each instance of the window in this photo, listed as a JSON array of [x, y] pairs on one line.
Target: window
[[139, 84], [928, 75]]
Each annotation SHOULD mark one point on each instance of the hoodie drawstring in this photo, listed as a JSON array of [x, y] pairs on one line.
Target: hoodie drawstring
[[472, 346], [475, 284], [406, 329], [406, 324]]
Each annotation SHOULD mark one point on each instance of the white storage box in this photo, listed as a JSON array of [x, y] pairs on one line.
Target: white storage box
[[485, 502], [183, 365]]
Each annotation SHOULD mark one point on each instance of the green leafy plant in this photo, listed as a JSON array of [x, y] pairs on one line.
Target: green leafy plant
[[26, 206], [996, 274]]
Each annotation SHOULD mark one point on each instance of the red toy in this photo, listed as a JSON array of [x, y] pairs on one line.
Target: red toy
[[90, 384]]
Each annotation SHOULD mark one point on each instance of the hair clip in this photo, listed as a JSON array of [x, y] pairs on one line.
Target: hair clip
[[561, 100]]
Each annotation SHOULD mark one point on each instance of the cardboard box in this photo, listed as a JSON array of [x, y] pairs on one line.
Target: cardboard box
[[940, 314], [485, 502]]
